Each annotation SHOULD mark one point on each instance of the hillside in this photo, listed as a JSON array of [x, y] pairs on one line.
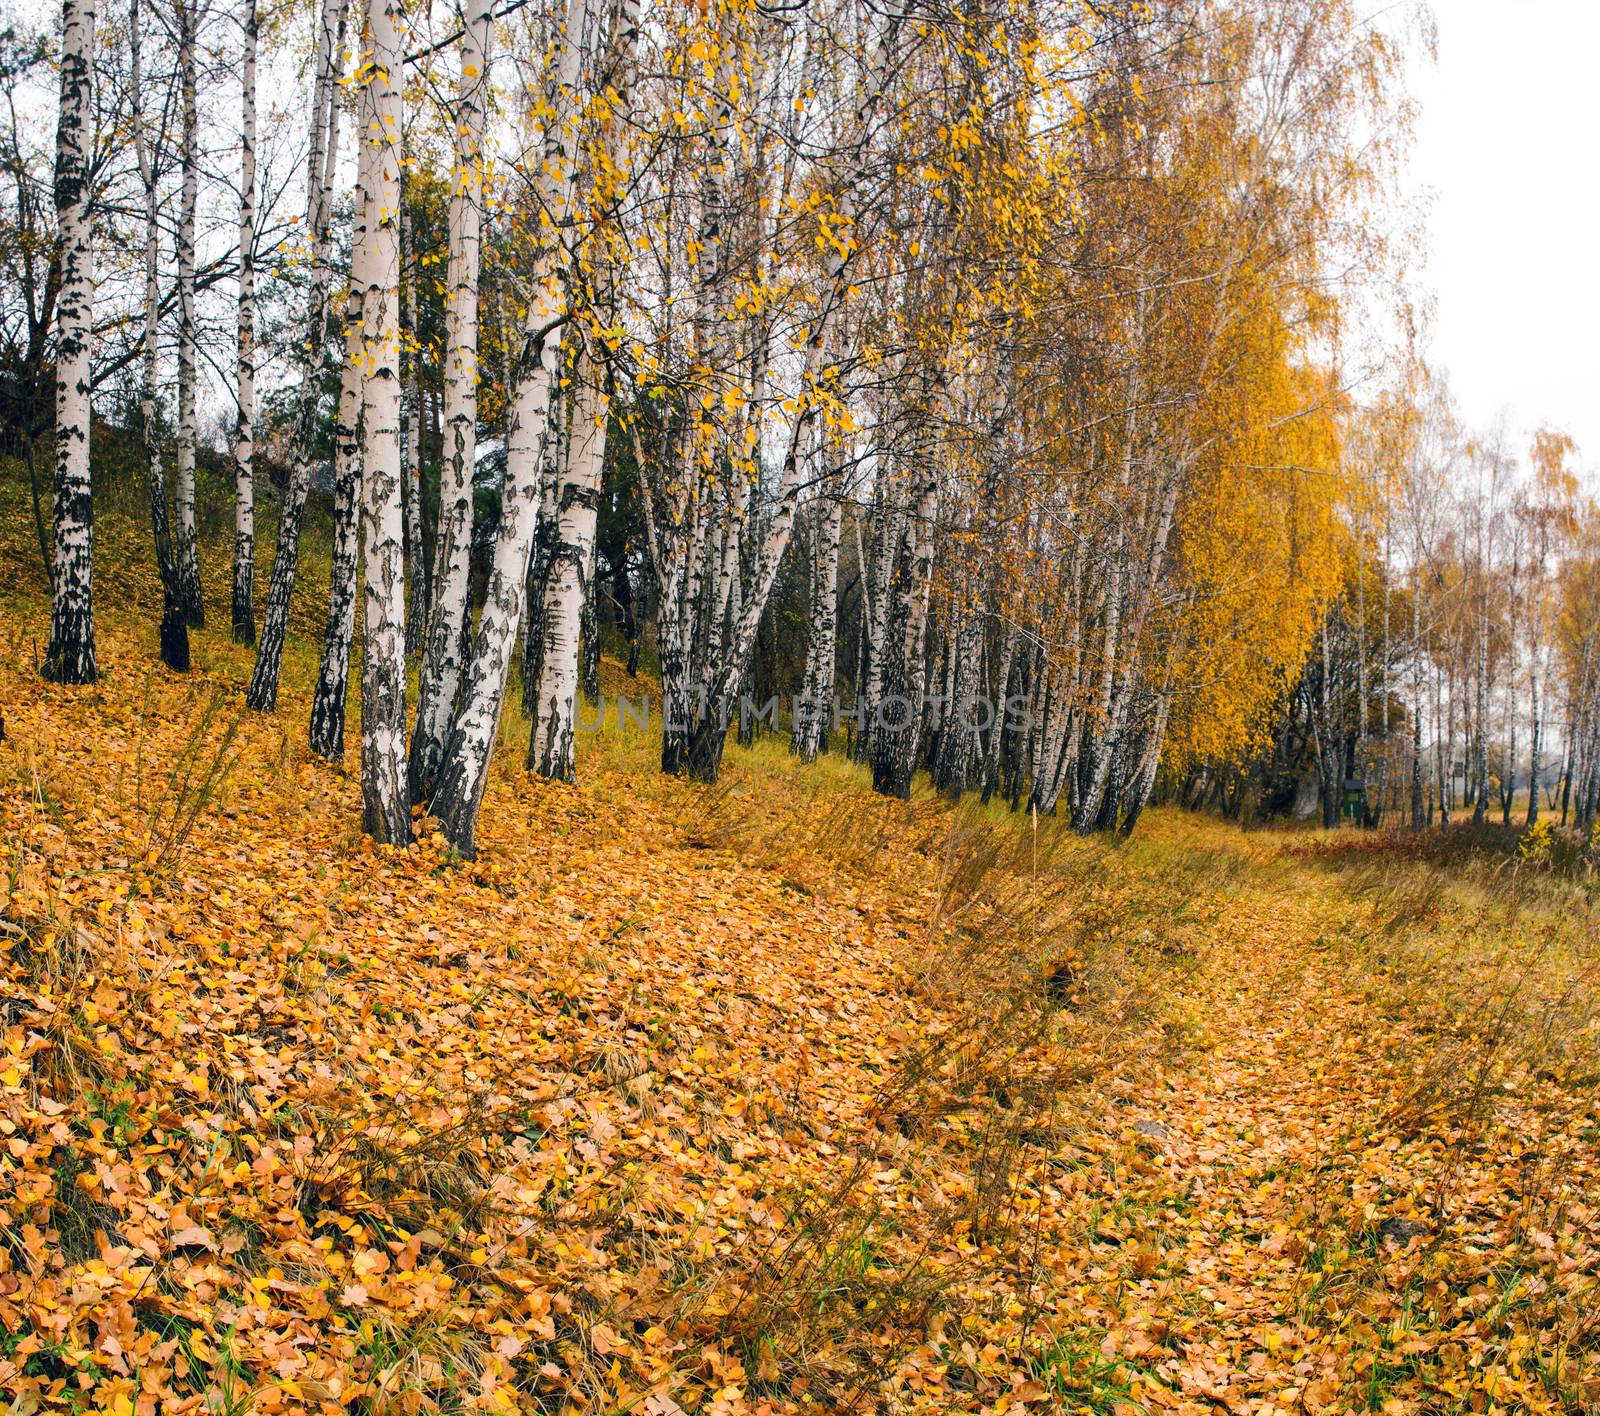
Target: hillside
[[778, 1095]]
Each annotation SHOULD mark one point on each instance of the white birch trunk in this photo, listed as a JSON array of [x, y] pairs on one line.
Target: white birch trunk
[[998, 728], [895, 748], [876, 580], [386, 806], [440, 678], [411, 432], [244, 438], [262, 694], [70, 657], [464, 770], [567, 624], [550, 743], [544, 539], [333, 675], [958, 740], [188, 330], [174, 628], [813, 714]]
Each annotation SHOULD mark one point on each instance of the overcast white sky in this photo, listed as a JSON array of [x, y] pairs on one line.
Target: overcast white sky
[[1506, 144]]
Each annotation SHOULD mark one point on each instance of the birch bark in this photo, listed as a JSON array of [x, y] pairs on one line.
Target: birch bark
[[813, 714], [439, 680], [263, 691], [386, 806], [333, 676], [194, 609], [417, 589], [70, 658], [569, 625], [895, 750], [550, 742], [174, 628], [244, 509], [463, 772]]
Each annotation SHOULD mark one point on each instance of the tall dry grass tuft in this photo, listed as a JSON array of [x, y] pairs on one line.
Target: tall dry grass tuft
[[1484, 984], [192, 780], [1035, 972]]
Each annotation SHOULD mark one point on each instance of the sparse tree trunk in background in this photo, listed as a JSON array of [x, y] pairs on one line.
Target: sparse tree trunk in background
[[439, 679], [386, 806], [244, 437], [589, 633], [1536, 746], [1536, 611], [1419, 818], [333, 676], [1513, 627], [1362, 707], [1480, 746], [1326, 720], [464, 771], [417, 587], [569, 582], [194, 609], [813, 714], [958, 739], [1567, 762], [174, 627], [895, 753], [1444, 715], [1386, 785], [70, 658], [875, 596], [544, 540], [262, 694], [994, 756]]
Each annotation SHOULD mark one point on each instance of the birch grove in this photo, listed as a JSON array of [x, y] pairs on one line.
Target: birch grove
[[957, 390]]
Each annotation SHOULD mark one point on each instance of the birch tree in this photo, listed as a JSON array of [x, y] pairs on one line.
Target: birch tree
[[566, 589], [386, 807], [70, 658], [174, 625], [813, 716], [244, 513], [322, 159], [188, 545], [464, 767], [565, 624], [439, 679], [333, 674]]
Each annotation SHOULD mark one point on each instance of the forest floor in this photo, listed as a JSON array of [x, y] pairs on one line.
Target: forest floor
[[771, 1096]]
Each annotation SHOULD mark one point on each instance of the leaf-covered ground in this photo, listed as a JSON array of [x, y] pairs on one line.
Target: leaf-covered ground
[[778, 1096]]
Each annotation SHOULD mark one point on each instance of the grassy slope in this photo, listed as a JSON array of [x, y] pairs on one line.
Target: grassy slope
[[778, 1095]]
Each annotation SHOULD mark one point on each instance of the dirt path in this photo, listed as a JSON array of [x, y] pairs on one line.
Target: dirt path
[[1304, 1238]]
